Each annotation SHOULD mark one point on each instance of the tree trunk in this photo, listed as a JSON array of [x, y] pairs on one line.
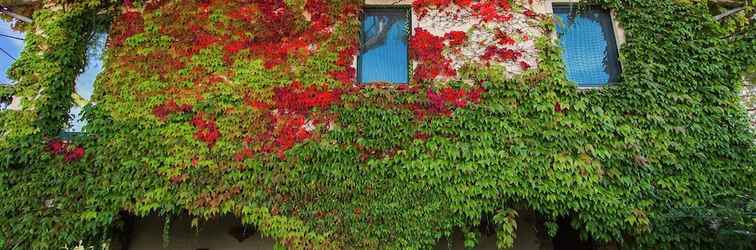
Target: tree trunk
[[12, 3]]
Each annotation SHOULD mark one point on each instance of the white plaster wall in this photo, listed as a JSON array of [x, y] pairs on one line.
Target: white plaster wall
[[15, 104]]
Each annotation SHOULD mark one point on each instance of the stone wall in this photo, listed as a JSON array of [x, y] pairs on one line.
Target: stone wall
[[749, 98]]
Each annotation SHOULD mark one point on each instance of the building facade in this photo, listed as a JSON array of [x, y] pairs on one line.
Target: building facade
[[377, 124]]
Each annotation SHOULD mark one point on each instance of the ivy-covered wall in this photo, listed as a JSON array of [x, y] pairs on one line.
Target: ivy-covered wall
[[249, 108]]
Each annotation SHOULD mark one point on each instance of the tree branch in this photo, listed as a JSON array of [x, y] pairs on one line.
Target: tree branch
[[13, 3], [728, 13], [384, 25]]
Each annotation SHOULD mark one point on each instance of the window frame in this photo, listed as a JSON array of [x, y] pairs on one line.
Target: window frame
[[547, 7], [407, 8], [6, 102]]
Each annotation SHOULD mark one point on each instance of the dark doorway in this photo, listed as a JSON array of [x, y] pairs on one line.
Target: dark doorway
[[567, 238]]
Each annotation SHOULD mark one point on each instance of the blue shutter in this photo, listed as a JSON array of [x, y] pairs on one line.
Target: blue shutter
[[384, 55], [589, 48]]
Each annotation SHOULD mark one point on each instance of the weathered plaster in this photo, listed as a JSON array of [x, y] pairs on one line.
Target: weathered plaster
[[15, 104]]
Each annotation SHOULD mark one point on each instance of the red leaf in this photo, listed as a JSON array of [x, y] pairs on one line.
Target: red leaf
[[57, 146], [456, 38], [524, 65], [75, 154]]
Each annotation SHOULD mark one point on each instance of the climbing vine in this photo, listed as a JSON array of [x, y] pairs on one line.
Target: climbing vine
[[250, 108]]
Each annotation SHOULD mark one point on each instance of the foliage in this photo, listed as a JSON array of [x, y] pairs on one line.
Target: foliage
[[222, 107]]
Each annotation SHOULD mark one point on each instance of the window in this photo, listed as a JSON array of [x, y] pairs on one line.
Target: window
[[384, 48], [11, 43], [5, 102], [85, 81], [588, 44]]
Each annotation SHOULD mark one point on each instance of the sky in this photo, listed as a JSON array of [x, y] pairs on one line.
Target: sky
[[85, 81], [10, 45]]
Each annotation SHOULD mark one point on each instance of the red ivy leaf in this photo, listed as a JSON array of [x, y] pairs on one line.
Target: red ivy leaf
[[456, 38], [75, 154]]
